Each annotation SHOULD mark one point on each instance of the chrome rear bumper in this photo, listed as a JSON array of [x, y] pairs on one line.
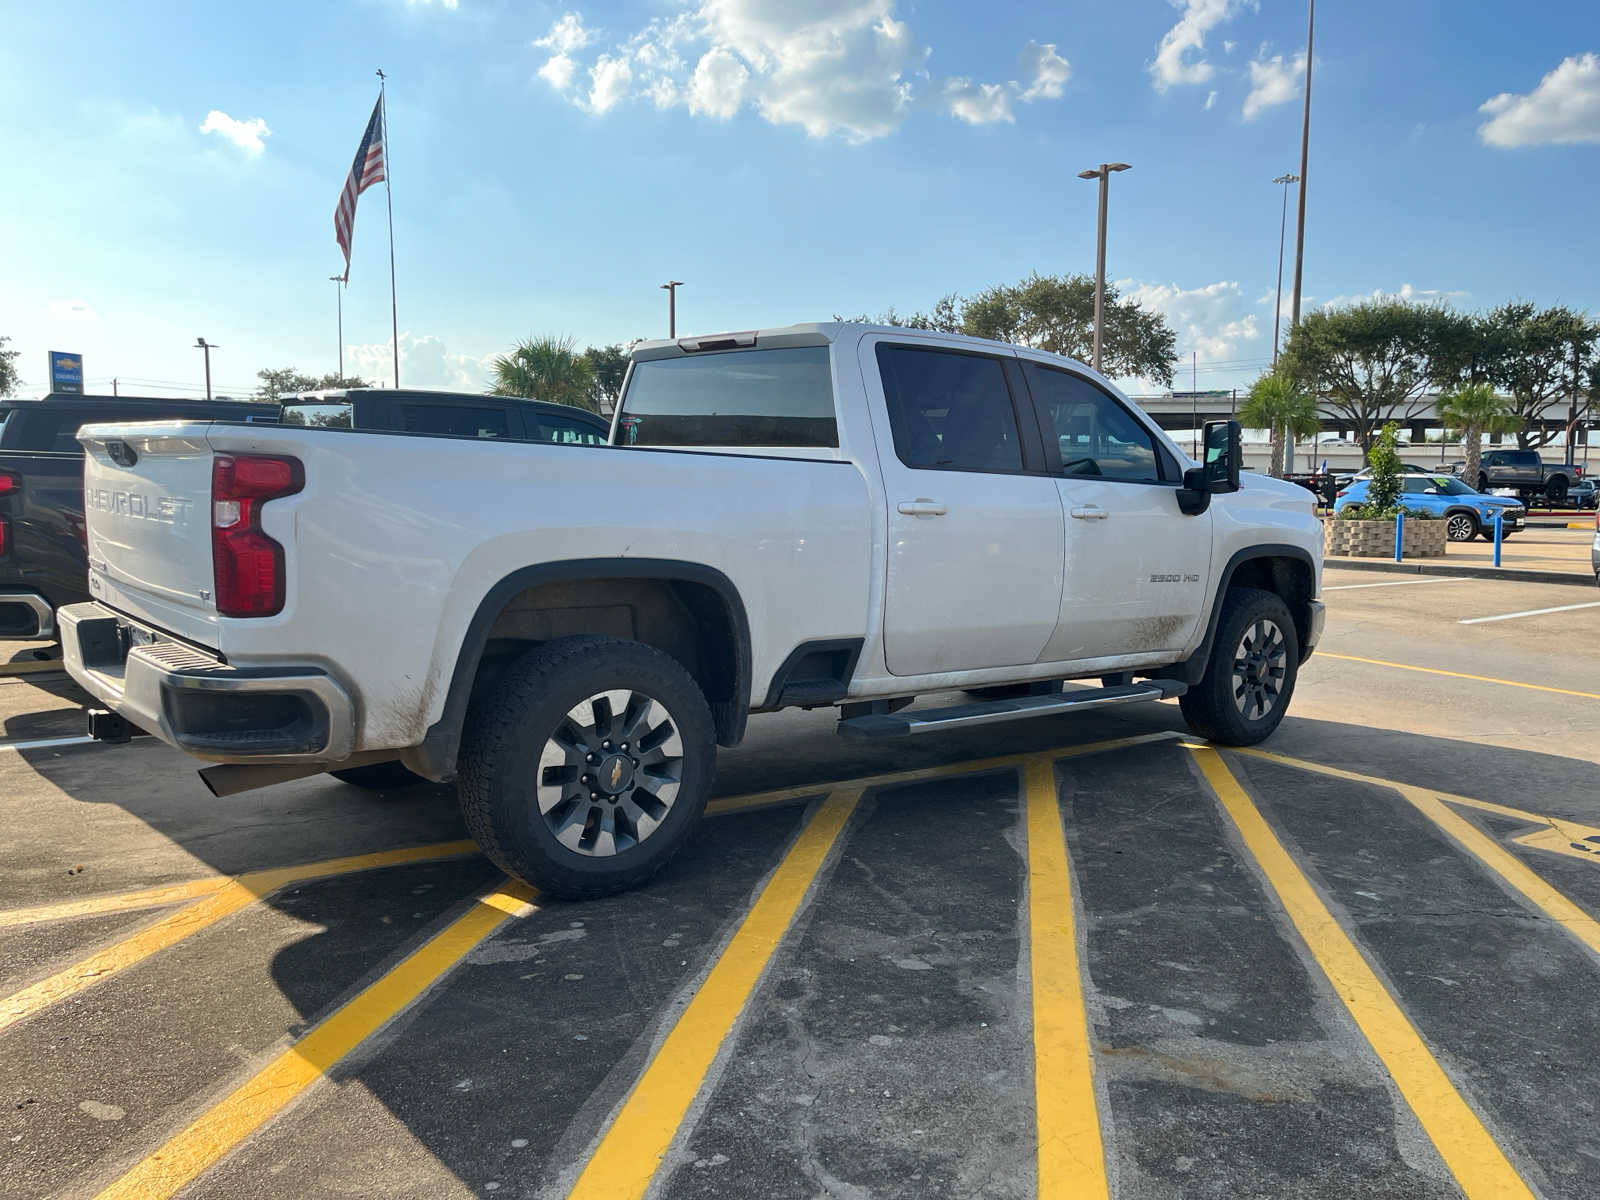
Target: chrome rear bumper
[[26, 615]]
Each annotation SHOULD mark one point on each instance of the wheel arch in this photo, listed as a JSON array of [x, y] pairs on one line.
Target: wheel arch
[[1287, 570], [689, 610]]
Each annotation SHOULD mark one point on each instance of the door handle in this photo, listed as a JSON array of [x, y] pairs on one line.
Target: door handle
[[1090, 512], [922, 507]]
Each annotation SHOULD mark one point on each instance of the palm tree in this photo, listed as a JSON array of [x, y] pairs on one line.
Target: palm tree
[[1470, 410], [1277, 403], [546, 368]]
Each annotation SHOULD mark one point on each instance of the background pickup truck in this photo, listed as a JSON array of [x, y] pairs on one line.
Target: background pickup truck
[[830, 514], [1525, 471], [41, 495]]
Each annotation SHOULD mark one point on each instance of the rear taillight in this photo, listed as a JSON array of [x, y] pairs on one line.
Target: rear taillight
[[8, 483], [1342, 495], [247, 564]]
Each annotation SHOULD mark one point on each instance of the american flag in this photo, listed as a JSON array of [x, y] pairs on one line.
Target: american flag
[[364, 172]]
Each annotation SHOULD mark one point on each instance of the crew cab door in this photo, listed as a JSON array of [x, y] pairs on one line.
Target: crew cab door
[[974, 522], [1137, 569]]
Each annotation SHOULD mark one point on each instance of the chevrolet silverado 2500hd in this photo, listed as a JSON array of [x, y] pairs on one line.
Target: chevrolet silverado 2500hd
[[830, 514]]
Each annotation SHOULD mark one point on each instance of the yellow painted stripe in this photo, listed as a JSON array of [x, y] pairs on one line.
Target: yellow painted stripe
[[232, 896], [1559, 838], [121, 902], [1506, 865], [184, 1157], [1532, 687], [632, 1149], [1071, 1154], [1468, 1149], [1006, 762]]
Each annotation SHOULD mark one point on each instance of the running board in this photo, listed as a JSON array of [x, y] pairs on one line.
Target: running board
[[989, 712]]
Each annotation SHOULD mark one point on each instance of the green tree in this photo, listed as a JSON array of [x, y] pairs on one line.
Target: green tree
[[1372, 361], [288, 381], [9, 379], [546, 368], [608, 365], [1277, 402], [1470, 410], [1383, 491], [1542, 362]]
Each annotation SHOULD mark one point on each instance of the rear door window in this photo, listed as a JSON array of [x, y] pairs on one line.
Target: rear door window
[[949, 411], [561, 429], [454, 421], [769, 398]]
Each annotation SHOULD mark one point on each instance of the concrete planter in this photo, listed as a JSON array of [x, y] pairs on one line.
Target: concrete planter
[[1375, 539]]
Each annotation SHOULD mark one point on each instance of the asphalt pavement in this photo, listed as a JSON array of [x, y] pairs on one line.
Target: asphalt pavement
[[1069, 957]]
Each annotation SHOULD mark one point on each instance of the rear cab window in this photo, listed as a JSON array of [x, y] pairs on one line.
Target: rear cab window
[[767, 398], [332, 415], [452, 420]]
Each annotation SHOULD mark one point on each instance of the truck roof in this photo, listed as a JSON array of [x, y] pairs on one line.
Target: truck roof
[[814, 332], [178, 407]]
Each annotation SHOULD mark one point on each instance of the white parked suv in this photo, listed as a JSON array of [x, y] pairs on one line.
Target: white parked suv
[[829, 514]]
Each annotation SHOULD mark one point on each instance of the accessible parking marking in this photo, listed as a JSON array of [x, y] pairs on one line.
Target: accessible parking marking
[[632, 1148], [188, 1154], [1479, 1165]]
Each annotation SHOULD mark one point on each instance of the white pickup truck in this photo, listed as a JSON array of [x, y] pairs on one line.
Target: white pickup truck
[[827, 514]]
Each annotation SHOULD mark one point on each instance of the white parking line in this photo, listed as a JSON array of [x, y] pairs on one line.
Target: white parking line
[[81, 739], [1345, 587], [1532, 612]]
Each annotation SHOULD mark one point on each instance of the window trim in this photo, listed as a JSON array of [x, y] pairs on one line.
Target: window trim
[[1032, 452], [1165, 460]]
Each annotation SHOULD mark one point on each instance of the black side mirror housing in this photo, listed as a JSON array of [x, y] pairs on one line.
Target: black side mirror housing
[[1223, 451]]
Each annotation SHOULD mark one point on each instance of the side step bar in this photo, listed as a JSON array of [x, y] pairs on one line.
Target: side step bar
[[989, 712]]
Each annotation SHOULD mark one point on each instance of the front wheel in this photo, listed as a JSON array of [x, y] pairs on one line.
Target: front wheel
[[1556, 490], [588, 765], [1461, 527], [1249, 678]]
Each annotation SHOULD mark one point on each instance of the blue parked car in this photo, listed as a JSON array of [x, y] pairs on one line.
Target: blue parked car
[[1467, 513]]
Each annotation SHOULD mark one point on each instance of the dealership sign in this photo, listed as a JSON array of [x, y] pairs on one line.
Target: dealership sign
[[66, 372]]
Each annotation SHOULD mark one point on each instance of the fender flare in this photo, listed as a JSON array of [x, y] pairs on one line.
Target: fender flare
[[1194, 666], [435, 758]]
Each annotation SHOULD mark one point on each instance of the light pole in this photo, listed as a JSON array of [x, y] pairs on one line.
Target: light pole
[[201, 344], [339, 309], [1277, 305], [1305, 144], [1103, 173], [671, 286]]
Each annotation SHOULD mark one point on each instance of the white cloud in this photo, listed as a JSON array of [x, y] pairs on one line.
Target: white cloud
[[1213, 320], [716, 89], [609, 79], [1046, 72], [977, 103], [1180, 57], [1406, 292], [1228, 47], [558, 71], [425, 362], [566, 35], [833, 67], [1211, 98], [247, 135], [451, 5], [1563, 110], [1272, 82]]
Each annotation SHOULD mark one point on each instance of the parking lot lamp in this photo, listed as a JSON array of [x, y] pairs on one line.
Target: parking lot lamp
[[1103, 173], [671, 287], [201, 344]]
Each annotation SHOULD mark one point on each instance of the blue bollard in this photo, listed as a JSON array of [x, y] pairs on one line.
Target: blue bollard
[[1399, 535], [1498, 525]]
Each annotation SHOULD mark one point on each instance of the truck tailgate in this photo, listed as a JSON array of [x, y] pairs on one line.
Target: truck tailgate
[[147, 498]]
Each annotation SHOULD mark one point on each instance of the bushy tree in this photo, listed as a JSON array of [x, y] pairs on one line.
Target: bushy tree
[[1277, 402], [9, 380], [1470, 410], [608, 365], [1541, 362], [288, 381], [546, 368]]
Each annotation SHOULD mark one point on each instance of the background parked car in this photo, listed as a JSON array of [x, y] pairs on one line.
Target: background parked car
[[1583, 494], [1467, 513], [447, 414]]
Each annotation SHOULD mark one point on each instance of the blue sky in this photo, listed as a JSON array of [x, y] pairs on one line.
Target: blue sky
[[787, 159]]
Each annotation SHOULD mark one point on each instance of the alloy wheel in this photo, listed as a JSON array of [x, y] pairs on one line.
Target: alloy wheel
[[1259, 666], [1461, 528]]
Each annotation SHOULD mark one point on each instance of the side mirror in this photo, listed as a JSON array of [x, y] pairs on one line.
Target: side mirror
[[1223, 454]]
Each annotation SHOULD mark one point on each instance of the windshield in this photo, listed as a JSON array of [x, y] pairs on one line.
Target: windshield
[[1447, 486]]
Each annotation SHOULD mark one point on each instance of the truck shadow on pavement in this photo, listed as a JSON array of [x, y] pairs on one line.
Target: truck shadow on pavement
[[889, 1046]]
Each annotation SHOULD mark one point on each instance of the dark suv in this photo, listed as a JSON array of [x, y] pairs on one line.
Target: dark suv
[[42, 561], [446, 414]]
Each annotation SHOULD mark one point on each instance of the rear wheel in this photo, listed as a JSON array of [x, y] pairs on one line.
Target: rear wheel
[[1461, 527], [1250, 677], [379, 777], [1556, 490], [588, 765]]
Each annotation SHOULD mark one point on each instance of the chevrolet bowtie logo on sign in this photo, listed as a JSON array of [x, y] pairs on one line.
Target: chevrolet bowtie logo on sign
[[66, 372]]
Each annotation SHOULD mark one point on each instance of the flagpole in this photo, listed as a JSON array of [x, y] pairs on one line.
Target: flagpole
[[388, 195]]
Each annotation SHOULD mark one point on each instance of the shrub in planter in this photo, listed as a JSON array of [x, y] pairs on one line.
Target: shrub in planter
[[1367, 530]]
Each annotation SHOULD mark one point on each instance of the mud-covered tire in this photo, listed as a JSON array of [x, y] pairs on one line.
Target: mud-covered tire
[[379, 777], [1217, 708], [519, 748]]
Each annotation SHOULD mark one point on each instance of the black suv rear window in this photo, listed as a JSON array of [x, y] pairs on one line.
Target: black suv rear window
[[777, 397]]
